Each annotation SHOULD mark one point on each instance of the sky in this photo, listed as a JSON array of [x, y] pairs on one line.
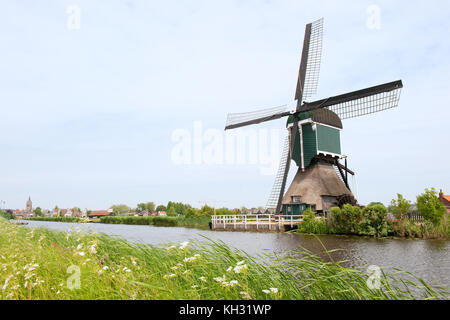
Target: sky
[[96, 97]]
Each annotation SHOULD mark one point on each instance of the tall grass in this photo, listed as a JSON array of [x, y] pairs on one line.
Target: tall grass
[[34, 265]]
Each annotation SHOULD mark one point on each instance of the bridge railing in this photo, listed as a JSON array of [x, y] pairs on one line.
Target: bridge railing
[[258, 220]]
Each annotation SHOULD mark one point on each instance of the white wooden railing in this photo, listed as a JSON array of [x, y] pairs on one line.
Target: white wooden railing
[[258, 220]]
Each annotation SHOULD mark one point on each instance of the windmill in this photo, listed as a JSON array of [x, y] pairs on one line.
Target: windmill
[[313, 140]]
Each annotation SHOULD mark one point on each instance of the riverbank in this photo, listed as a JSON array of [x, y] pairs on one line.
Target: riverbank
[[35, 263], [372, 222], [182, 221]]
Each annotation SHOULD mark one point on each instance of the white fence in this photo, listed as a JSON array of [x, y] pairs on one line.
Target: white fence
[[233, 222]]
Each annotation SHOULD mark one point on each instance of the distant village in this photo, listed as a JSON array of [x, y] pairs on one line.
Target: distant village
[[85, 213], [29, 212]]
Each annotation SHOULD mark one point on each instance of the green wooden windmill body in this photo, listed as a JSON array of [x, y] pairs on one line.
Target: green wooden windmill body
[[321, 133]]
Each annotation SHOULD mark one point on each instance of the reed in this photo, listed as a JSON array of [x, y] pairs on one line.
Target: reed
[[35, 265]]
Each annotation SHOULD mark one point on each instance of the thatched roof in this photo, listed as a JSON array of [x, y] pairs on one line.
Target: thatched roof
[[318, 180]]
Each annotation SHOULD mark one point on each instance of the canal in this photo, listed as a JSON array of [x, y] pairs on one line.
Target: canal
[[427, 259]]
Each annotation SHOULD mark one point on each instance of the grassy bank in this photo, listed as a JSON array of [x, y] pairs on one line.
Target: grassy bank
[[182, 221], [43, 264], [56, 219], [371, 222], [198, 222]]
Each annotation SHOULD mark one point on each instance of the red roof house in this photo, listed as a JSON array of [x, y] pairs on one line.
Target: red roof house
[[445, 200], [100, 213]]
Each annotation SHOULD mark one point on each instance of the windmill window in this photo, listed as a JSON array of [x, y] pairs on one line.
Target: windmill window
[[297, 199]]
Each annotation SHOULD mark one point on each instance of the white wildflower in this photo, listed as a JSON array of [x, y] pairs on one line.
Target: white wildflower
[[240, 268], [266, 291], [6, 282], [229, 269], [220, 279], [184, 245], [245, 295], [202, 279], [274, 290]]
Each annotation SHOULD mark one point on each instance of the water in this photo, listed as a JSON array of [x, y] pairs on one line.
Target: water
[[427, 259]]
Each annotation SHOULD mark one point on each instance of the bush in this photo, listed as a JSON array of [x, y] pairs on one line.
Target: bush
[[345, 220], [373, 221]]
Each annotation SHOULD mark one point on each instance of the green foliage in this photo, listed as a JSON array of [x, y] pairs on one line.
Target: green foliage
[[55, 219], [345, 220], [171, 212], [430, 208], [373, 221], [400, 207], [38, 212], [224, 212], [120, 209], [206, 211], [180, 208], [161, 208], [313, 225], [244, 210], [375, 203], [150, 206], [6, 215], [190, 212], [309, 215], [181, 221]]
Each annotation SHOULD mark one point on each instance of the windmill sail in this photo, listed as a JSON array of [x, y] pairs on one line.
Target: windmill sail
[[314, 59], [275, 194], [238, 120], [362, 102]]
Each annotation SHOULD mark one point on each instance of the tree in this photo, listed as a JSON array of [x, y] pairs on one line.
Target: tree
[[180, 208], [161, 208], [400, 207], [223, 212], [244, 210], [190, 212], [119, 209], [429, 206], [150, 206], [374, 204], [38, 212], [206, 211], [5, 214], [171, 212]]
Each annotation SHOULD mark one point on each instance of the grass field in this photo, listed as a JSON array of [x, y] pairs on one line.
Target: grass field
[[45, 264]]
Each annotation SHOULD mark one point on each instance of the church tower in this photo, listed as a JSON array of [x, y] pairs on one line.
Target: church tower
[[29, 205]]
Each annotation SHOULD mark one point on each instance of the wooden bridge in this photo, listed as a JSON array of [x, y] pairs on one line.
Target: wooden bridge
[[256, 223]]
